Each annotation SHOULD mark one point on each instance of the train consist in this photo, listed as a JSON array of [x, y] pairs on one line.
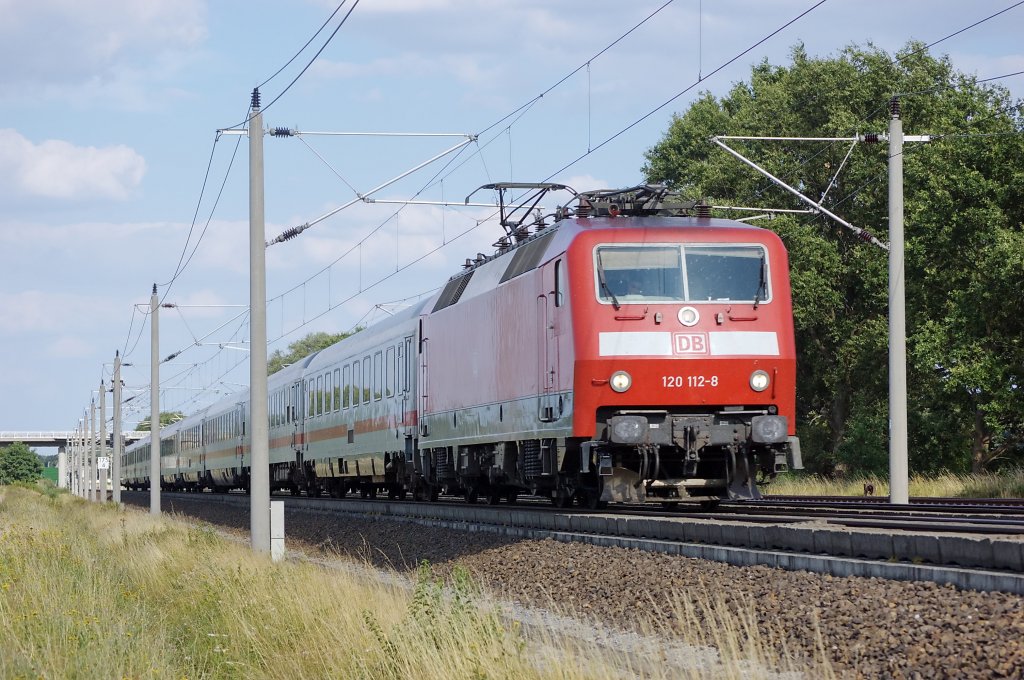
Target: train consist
[[632, 350]]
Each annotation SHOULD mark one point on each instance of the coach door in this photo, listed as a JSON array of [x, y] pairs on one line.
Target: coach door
[[406, 362], [239, 430], [299, 412]]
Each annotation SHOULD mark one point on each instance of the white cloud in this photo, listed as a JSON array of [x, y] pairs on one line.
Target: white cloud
[[69, 347], [33, 311], [61, 170], [67, 42]]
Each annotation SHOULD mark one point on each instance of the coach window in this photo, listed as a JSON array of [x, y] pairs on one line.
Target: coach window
[[378, 382], [367, 379], [337, 389], [346, 383], [328, 393], [319, 395], [356, 382], [389, 373]]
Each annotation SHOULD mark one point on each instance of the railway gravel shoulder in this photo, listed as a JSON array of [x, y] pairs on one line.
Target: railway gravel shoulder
[[868, 627]]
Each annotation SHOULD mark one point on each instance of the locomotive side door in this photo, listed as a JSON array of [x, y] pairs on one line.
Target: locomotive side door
[[548, 304]]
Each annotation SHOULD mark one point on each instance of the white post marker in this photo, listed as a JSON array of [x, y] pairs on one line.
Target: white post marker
[[276, 530]]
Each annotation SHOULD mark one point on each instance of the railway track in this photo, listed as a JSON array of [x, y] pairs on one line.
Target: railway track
[[978, 553]]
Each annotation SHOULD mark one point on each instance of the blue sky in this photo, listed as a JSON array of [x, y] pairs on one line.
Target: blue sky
[[108, 113]]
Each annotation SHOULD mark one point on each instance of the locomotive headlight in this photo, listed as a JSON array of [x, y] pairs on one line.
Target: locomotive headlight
[[759, 381], [620, 381], [688, 316]]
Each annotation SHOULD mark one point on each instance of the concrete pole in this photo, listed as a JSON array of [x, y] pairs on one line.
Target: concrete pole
[[77, 462], [62, 466], [102, 497], [93, 486], [154, 406], [116, 435], [71, 464], [82, 453], [899, 484], [259, 457]]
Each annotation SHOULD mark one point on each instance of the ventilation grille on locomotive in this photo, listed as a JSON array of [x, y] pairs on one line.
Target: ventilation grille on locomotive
[[527, 256], [453, 291]]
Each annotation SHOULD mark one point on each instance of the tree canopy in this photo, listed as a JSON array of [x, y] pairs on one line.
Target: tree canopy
[[166, 418], [314, 342], [964, 265], [19, 463]]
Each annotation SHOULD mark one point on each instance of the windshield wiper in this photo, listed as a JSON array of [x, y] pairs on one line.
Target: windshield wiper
[[762, 283], [604, 283]]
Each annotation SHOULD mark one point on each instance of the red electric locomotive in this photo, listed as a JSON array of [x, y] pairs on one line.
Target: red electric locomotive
[[631, 351], [628, 352]]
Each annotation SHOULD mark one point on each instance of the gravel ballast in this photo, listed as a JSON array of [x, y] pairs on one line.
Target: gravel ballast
[[866, 627]]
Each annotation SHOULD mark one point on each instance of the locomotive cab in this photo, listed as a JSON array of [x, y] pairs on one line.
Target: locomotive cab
[[684, 380]]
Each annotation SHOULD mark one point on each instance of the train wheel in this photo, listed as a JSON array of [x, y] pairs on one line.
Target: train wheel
[[560, 499], [434, 493], [710, 504], [670, 505], [591, 499], [511, 497], [493, 498], [472, 495]]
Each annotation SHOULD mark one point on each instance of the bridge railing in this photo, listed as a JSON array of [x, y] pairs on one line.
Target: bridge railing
[[53, 435]]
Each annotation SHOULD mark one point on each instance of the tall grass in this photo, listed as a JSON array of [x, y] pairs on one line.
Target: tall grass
[[1005, 484], [90, 591]]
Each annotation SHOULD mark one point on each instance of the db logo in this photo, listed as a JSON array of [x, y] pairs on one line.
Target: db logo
[[691, 343]]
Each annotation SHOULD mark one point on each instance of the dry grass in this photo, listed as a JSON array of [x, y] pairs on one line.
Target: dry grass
[[92, 591], [1009, 484]]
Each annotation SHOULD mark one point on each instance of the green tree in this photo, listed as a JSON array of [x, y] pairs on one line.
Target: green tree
[[166, 418], [19, 463], [303, 347], [964, 208]]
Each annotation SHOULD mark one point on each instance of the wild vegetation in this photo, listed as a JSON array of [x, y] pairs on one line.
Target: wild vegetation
[[96, 591], [1007, 483], [964, 211]]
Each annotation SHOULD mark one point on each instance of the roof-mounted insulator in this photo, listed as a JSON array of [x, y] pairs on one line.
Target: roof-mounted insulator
[[583, 209], [703, 211], [467, 264], [894, 107], [480, 257], [255, 103]]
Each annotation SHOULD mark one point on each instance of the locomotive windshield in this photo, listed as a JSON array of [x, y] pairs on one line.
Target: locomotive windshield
[[681, 273]]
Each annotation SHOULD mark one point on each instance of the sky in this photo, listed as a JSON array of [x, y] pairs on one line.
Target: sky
[[113, 174]]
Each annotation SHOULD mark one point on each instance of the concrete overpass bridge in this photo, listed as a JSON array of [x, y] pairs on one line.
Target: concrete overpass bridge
[[58, 438]]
